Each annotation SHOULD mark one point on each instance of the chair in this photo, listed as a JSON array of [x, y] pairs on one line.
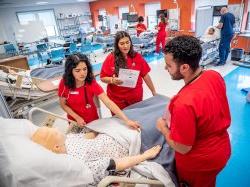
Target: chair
[[42, 52], [71, 50], [57, 55], [41, 47], [87, 49], [10, 49]]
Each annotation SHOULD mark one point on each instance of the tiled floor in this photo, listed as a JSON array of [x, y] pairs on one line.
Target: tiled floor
[[237, 171]]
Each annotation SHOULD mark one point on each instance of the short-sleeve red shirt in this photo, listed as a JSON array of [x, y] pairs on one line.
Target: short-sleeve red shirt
[[162, 31], [75, 99], [136, 63], [140, 27], [199, 117]]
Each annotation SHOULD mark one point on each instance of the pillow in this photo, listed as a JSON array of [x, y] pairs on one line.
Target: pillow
[[25, 163]]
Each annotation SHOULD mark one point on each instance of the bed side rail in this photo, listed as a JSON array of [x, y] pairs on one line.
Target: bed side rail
[[51, 117], [127, 181]]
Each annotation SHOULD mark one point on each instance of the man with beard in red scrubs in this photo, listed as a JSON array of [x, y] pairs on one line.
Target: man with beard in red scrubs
[[197, 117]]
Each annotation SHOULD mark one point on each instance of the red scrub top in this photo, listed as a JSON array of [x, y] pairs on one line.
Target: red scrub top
[[123, 93], [199, 118], [162, 31], [75, 99], [142, 28]]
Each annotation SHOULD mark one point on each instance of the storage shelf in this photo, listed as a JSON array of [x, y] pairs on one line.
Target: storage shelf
[[70, 26]]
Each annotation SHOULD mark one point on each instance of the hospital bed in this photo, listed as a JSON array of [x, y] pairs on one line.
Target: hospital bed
[[210, 44], [209, 51], [145, 43], [44, 168], [107, 41], [21, 91]]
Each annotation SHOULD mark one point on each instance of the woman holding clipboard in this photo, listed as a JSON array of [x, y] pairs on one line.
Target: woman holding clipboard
[[113, 73]]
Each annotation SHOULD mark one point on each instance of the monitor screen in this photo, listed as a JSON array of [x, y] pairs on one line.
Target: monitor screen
[[133, 18], [164, 11], [216, 11], [100, 17], [125, 16]]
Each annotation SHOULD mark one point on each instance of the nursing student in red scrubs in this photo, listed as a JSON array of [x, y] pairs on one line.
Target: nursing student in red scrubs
[[162, 33], [198, 119], [140, 27], [124, 57], [77, 90]]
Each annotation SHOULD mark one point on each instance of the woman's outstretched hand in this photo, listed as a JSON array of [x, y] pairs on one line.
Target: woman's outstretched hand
[[80, 122], [152, 152], [133, 124]]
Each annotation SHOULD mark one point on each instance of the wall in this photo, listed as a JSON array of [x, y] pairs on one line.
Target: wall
[[2, 33], [186, 9], [242, 41], [9, 19], [202, 3]]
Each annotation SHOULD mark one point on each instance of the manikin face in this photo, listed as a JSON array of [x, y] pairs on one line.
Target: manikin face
[[172, 67], [211, 31], [124, 45], [80, 72]]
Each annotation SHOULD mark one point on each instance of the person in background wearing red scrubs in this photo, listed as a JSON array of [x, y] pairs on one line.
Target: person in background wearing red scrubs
[[125, 57], [77, 90], [140, 27], [162, 33], [198, 116]]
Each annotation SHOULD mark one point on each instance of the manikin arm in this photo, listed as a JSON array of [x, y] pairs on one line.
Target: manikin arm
[[128, 162]]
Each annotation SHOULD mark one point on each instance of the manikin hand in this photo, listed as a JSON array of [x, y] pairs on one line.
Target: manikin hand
[[152, 152]]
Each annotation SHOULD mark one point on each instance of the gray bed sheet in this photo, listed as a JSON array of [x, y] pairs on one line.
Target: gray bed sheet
[[146, 113], [48, 72]]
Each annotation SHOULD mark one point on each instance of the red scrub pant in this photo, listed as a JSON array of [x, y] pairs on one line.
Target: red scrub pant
[[198, 178], [126, 101], [160, 39]]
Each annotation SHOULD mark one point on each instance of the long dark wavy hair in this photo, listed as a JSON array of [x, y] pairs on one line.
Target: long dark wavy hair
[[71, 62], [120, 61]]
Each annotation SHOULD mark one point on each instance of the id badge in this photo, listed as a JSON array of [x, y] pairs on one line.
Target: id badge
[[74, 92]]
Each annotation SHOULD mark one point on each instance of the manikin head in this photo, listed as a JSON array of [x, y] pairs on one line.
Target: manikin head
[[50, 138], [211, 31]]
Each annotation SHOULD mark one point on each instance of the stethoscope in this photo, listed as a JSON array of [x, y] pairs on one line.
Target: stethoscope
[[133, 62], [88, 105]]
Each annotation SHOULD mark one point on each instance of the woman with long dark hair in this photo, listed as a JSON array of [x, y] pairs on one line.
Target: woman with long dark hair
[[162, 34], [124, 57], [77, 90]]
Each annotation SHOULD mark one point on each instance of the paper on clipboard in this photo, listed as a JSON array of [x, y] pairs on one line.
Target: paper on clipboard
[[129, 77]]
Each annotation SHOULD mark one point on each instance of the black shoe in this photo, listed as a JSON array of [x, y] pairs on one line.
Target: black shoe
[[220, 64]]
